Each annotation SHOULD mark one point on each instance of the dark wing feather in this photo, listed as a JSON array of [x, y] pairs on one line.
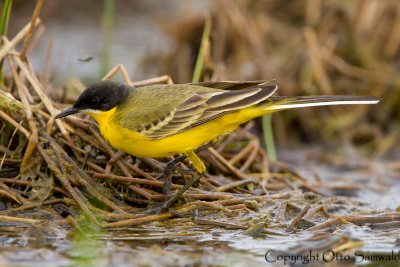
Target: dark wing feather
[[206, 106], [215, 111], [231, 85]]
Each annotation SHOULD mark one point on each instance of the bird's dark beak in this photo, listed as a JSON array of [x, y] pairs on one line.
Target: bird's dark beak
[[67, 112]]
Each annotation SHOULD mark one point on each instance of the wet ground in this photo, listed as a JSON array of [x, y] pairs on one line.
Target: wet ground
[[359, 187]]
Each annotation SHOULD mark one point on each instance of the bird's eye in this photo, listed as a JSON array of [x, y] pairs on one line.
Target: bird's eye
[[95, 101]]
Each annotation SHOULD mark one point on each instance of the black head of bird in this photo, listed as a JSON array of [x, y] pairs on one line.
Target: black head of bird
[[100, 96]]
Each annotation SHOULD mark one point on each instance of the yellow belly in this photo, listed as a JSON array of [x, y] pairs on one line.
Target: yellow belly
[[135, 144]]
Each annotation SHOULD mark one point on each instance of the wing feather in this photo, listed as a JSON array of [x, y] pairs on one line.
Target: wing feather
[[230, 97], [231, 85], [204, 106]]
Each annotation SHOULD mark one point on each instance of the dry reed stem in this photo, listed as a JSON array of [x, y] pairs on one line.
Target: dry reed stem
[[66, 184], [157, 80], [243, 153], [26, 207], [226, 164], [44, 98], [33, 139], [7, 149], [251, 157], [82, 178], [329, 223], [319, 209], [12, 192], [297, 219], [19, 219], [151, 218], [119, 68], [378, 218], [139, 171], [218, 224], [124, 179], [211, 196], [35, 17], [17, 126], [20, 35], [6, 194], [235, 184]]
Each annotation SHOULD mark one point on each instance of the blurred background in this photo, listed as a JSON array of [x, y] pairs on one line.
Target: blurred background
[[307, 47]]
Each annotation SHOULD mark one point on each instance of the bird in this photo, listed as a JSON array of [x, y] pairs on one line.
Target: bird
[[169, 119]]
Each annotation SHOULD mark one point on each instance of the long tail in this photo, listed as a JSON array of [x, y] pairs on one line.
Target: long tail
[[279, 103]]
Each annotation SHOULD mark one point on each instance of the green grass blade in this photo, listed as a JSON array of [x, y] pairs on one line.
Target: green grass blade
[[205, 38], [4, 20], [269, 137], [5, 17]]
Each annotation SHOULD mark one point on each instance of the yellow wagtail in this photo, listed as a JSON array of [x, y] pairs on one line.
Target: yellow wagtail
[[162, 120]]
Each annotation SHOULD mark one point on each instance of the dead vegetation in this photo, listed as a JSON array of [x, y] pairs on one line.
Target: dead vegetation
[[50, 169]]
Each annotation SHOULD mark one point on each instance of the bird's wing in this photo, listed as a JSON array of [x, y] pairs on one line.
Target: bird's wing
[[231, 85], [198, 105], [230, 101]]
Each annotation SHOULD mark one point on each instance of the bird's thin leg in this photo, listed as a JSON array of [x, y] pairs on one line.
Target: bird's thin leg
[[167, 180], [167, 175], [165, 205], [168, 203]]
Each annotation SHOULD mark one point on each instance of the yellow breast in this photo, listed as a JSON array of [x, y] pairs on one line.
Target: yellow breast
[[138, 145]]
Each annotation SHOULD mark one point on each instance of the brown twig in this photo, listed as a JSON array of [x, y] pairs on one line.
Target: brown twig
[[124, 179], [65, 182], [35, 17], [228, 165], [235, 184], [19, 219], [218, 224], [21, 34], [329, 223], [33, 139], [296, 220]]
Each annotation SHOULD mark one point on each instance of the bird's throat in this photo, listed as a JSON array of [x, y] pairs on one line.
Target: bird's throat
[[102, 117]]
